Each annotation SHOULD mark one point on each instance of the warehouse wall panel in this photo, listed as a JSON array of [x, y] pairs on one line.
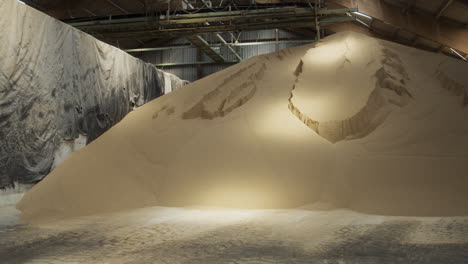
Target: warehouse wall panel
[[189, 72]]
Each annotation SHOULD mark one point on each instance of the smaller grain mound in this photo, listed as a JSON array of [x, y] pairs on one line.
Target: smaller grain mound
[[217, 104]]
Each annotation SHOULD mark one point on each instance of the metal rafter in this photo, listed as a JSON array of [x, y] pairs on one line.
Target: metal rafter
[[143, 27], [218, 36], [216, 17], [446, 4], [88, 11], [145, 34], [239, 44], [175, 64], [198, 41], [117, 6]]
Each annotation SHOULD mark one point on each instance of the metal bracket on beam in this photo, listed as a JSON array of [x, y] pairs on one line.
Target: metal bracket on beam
[[229, 46]]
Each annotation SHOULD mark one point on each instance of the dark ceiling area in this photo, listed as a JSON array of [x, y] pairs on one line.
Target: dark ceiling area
[[131, 24]]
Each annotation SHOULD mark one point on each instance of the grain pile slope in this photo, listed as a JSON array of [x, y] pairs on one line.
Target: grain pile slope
[[352, 121]]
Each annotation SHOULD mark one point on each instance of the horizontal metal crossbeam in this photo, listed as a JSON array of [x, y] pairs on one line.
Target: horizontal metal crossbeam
[[190, 24], [213, 16], [175, 64], [239, 44]]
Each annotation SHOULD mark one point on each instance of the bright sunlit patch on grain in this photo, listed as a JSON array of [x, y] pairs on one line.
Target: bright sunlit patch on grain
[[328, 55], [277, 123]]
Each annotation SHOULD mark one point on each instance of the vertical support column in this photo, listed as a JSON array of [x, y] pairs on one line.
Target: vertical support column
[[168, 14], [277, 39], [199, 66], [317, 26]]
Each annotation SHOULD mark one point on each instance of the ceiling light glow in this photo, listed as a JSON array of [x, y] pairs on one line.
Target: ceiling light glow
[[456, 52], [362, 14]]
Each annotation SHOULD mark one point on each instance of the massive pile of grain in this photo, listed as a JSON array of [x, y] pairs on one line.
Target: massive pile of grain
[[351, 122]]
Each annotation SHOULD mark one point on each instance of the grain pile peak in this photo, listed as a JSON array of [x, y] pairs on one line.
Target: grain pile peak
[[350, 122], [356, 82]]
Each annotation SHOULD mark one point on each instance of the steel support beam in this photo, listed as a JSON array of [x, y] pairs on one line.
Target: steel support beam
[[117, 6], [198, 41], [463, 57], [276, 40], [219, 37], [257, 12], [199, 66], [175, 64], [446, 4], [178, 32], [234, 16], [421, 22], [159, 48], [144, 27], [229, 47], [88, 11], [221, 45], [317, 25]]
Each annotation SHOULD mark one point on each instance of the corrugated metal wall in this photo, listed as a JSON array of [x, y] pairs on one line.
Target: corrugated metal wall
[[189, 72]]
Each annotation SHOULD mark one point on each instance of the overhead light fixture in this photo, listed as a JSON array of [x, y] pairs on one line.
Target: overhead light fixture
[[358, 20], [362, 14], [459, 55]]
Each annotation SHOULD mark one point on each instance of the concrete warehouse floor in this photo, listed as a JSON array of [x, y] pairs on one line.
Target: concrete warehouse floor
[[207, 235]]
